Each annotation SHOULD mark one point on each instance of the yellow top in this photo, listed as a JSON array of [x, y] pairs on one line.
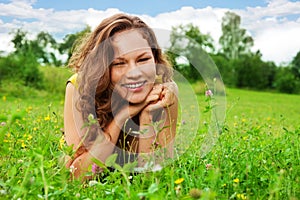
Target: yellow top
[[73, 80]]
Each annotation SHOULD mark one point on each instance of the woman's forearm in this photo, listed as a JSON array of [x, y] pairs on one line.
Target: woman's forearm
[[147, 136], [101, 148]]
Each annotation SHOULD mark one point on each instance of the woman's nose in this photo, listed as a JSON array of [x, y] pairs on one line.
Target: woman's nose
[[133, 71]]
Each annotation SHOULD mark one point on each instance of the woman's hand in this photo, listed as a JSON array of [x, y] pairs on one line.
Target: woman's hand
[[161, 96]]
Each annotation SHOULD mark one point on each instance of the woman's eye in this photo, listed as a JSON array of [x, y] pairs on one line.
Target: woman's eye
[[144, 59], [118, 64]]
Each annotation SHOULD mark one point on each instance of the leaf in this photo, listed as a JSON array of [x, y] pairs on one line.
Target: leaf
[[99, 163], [153, 188], [111, 160], [128, 167]]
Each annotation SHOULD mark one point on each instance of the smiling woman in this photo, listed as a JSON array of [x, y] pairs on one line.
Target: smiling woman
[[133, 69], [123, 82]]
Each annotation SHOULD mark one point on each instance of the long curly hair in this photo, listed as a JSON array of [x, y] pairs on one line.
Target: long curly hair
[[92, 58]]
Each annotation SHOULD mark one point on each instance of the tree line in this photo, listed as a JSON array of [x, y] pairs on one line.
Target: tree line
[[238, 65]]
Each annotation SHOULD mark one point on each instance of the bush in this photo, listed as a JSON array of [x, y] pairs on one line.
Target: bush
[[55, 79], [285, 81], [22, 68]]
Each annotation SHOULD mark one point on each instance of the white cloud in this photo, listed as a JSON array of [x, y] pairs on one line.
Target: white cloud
[[275, 33]]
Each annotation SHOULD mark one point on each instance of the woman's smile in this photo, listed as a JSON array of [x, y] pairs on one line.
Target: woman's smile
[[134, 86]]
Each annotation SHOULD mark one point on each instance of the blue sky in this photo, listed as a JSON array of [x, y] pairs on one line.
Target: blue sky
[[273, 24], [149, 7]]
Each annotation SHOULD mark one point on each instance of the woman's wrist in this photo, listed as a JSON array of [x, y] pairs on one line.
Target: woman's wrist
[[145, 117]]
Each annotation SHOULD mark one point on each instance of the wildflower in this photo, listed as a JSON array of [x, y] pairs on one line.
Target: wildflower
[[95, 168], [34, 128], [236, 180], [243, 120], [23, 145], [4, 98], [28, 109], [235, 124], [3, 124], [61, 142], [92, 183], [180, 180], [72, 169], [177, 189], [157, 168], [241, 196], [47, 118], [224, 185], [29, 137], [195, 193], [208, 166], [208, 93]]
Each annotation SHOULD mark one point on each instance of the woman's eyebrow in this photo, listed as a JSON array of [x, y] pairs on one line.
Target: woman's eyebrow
[[121, 58], [144, 53], [118, 59]]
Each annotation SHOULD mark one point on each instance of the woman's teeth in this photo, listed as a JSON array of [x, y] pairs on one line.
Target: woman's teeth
[[134, 85]]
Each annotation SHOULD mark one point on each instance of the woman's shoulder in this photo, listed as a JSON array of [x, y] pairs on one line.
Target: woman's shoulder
[[73, 80]]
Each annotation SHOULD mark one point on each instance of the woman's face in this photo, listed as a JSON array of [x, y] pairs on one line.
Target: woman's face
[[133, 68]]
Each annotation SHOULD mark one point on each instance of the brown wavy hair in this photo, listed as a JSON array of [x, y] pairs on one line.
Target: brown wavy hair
[[92, 58]]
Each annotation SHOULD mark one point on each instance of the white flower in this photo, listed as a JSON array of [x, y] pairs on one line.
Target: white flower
[[72, 169], [156, 168], [92, 183]]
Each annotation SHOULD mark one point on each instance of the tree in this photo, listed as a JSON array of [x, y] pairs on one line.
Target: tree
[[296, 65], [66, 47], [234, 40], [188, 41], [252, 72], [20, 41], [285, 81], [42, 48]]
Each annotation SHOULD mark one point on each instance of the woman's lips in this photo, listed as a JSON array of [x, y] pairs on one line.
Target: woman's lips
[[134, 86]]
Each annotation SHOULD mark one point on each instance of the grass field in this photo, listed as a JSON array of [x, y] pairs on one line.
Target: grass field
[[257, 155]]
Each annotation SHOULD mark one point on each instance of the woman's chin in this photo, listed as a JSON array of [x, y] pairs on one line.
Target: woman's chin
[[136, 100]]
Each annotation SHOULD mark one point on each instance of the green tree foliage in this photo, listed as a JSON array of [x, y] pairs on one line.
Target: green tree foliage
[[44, 42], [69, 41], [296, 66], [285, 81], [234, 40], [187, 41], [20, 41], [21, 68], [226, 68], [43, 47], [22, 64], [252, 72]]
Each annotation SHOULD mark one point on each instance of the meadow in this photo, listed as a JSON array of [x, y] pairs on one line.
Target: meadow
[[256, 156]]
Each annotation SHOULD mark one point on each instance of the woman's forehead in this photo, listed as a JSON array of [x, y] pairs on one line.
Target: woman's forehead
[[129, 41]]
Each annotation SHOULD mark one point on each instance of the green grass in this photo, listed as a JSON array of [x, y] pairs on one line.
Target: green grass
[[257, 155]]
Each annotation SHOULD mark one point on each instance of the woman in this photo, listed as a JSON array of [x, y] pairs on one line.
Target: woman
[[123, 82]]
